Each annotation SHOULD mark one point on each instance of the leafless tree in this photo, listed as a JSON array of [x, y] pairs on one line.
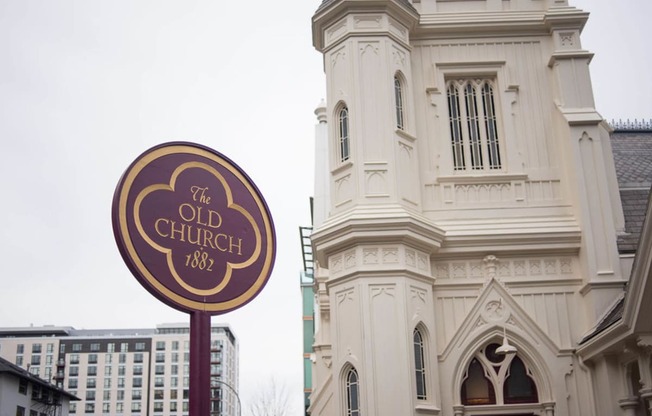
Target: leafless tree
[[272, 399]]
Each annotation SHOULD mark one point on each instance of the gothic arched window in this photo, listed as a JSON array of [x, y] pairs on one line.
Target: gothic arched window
[[497, 379], [419, 364], [343, 133], [352, 387], [398, 102]]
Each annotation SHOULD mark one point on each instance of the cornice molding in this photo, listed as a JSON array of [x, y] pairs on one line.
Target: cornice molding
[[332, 12]]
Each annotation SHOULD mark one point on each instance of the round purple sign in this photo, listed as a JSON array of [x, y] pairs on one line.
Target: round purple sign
[[193, 228]]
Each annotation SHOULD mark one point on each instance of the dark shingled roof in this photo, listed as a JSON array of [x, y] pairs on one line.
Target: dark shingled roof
[[632, 150], [614, 315], [633, 158]]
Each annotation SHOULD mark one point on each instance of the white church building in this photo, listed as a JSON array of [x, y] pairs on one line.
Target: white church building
[[467, 218]]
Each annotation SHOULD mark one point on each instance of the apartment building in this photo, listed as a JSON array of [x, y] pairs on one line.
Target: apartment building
[[125, 371]]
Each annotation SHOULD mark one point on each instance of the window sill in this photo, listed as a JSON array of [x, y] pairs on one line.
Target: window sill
[[405, 135], [342, 167], [427, 409], [482, 177]]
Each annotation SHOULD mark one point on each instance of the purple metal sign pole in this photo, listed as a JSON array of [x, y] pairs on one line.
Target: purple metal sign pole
[[200, 355]]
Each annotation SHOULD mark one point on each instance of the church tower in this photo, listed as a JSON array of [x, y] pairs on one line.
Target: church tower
[[466, 195]]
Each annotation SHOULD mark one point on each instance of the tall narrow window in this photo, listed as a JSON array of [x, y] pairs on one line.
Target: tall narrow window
[[343, 133], [398, 99], [419, 365], [473, 124], [352, 393]]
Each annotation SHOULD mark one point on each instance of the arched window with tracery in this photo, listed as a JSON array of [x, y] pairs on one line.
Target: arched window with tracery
[[494, 379], [343, 134], [352, 391], [419, 364]]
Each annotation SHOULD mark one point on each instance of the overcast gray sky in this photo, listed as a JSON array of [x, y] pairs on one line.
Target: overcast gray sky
[[87, 85]]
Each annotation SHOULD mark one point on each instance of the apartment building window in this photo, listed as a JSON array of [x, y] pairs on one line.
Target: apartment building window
[[124, 347], [174, 357], [120, 395], [74, 371], [174, 370], [73, 408], [90, 395], [343, 139], [138, 370], [122, 358], [92, 358], [159, 394], [95, 346], [91, 370], [186, 382], [22, 386], [106, 408], [76, 347], [107, 383], [72, 383], [138, 357], [106, 395], [20, 411], [160, 357], [49, 348], [136, 407], [136, 394], [140, 346], [48, 360], [20, 348], [36, 360], [119, 407], [89, 408], [160, 369], [36, 348], [108, 370], [159, 382], [186, 357], [473, 124], [73, 359], [19, 360], [160, 345], [174, 382], [175, 345], [137, 382], [158, 406], [110, 347], [121, 382], [121, 370], [173, 406], [62, 348], [108, 358], [91, 383]]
